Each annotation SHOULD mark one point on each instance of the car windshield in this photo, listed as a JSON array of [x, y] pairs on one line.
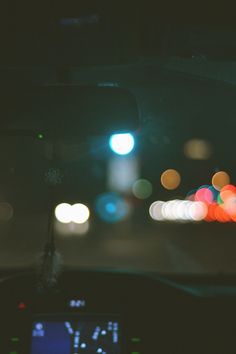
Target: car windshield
[[157, 198]]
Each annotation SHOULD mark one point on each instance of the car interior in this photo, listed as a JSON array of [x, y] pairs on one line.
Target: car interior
[[117, 177]]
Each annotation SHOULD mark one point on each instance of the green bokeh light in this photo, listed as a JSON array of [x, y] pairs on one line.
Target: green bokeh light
[[142, 189], [219, 200]]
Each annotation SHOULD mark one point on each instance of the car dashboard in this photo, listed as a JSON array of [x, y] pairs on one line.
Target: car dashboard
[[112, 313]]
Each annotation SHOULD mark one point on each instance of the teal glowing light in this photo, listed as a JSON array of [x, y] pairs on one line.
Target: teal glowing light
[[122, 144]]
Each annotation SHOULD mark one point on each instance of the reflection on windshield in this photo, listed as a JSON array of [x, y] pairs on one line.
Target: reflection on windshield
[[167, 205]]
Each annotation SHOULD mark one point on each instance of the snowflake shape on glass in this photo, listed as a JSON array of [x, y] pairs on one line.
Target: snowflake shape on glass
[[54, 176]]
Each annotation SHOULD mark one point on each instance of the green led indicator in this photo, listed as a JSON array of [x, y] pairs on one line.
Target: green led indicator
[[135, 353], [15, 339], [40, 136], [135, 340], [13, 353]]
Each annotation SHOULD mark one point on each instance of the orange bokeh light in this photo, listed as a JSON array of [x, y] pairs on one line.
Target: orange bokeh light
[[220, 179], [170, 179]]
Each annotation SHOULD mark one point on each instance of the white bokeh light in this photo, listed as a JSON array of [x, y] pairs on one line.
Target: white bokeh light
[[63, 213], [198, 211], [155, 211], [122, 144], [79, 213], [178, 211]]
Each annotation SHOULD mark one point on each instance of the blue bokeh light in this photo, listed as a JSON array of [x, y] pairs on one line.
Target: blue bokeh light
[[122, 143], [111, 207]]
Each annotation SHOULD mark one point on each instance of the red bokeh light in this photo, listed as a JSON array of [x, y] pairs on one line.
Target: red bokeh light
[[221, 215], [229, 187], [204, 195], [211, 212]]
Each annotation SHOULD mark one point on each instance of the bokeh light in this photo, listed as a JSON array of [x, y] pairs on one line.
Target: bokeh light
[[227, 192], [111, 207], [142, 189], [230, 206], [220, 179], [229, 187], [183, 210], [169, 210], [221, 215], [178, 211], [170, 179], [77, 213], [155, 210], [198, 149], [211, 212], [80, 213], [226, 195], [203, 204], [204, 194], [198, 211], [63, 213], [219, 200], [122, 144]]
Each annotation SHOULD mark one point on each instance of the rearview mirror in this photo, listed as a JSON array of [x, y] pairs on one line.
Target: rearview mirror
[[66, 111]]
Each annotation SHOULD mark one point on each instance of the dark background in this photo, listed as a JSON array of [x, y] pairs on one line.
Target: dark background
[[179, 63]]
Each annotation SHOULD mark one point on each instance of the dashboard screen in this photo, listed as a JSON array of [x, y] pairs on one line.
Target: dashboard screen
[[75, 336]]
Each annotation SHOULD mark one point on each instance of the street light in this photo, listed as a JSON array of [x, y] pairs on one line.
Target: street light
[[122, 143]]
